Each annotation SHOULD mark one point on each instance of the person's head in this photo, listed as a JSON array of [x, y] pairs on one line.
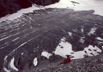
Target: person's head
[[67, 55]]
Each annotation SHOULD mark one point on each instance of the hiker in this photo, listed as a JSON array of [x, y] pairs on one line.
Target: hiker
[[66, 60], [85, 55]]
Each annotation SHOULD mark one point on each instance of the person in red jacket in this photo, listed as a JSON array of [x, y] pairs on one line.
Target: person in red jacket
[[66, 60]]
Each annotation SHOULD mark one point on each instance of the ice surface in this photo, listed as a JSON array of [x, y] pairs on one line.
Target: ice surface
[[63, 48]]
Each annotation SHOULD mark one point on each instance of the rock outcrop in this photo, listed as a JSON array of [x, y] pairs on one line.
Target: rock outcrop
[[12, 6]]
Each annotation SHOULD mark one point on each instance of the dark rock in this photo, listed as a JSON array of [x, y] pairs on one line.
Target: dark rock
[[92, 54], [54, 58], [72, 53], [90, 71], [61, 46], [94, 50], [12, 6], [89, 49]]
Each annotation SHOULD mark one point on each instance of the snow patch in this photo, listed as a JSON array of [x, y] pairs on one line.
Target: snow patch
[[99, 38], [5, 57], [79, 54], [12, 64], [70, 33], [22, 53], [65, 48], [46, 54], [92, 48], [82, 30], [82, 40], [92, 31], [35, 61], [6, 70]]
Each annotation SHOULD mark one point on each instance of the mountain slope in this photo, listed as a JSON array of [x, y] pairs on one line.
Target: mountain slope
[[25, 38]]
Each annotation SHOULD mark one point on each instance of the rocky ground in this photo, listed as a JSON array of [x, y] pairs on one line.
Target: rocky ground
[[42, 30], [90, 64]]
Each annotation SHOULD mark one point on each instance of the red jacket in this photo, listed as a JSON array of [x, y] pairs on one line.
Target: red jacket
[[68, 59]]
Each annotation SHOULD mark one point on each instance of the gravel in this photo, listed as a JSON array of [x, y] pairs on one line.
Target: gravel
[[90, 64]]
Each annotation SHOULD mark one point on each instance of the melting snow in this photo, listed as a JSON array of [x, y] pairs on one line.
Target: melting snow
[[46, 54], [82, 30], [92, 31], [82, 40], [5, 57], [65, 48], [70, 33], [22, 53], [99, 38], [12, 64], [35, 61], [79, 54], [91, 47]]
